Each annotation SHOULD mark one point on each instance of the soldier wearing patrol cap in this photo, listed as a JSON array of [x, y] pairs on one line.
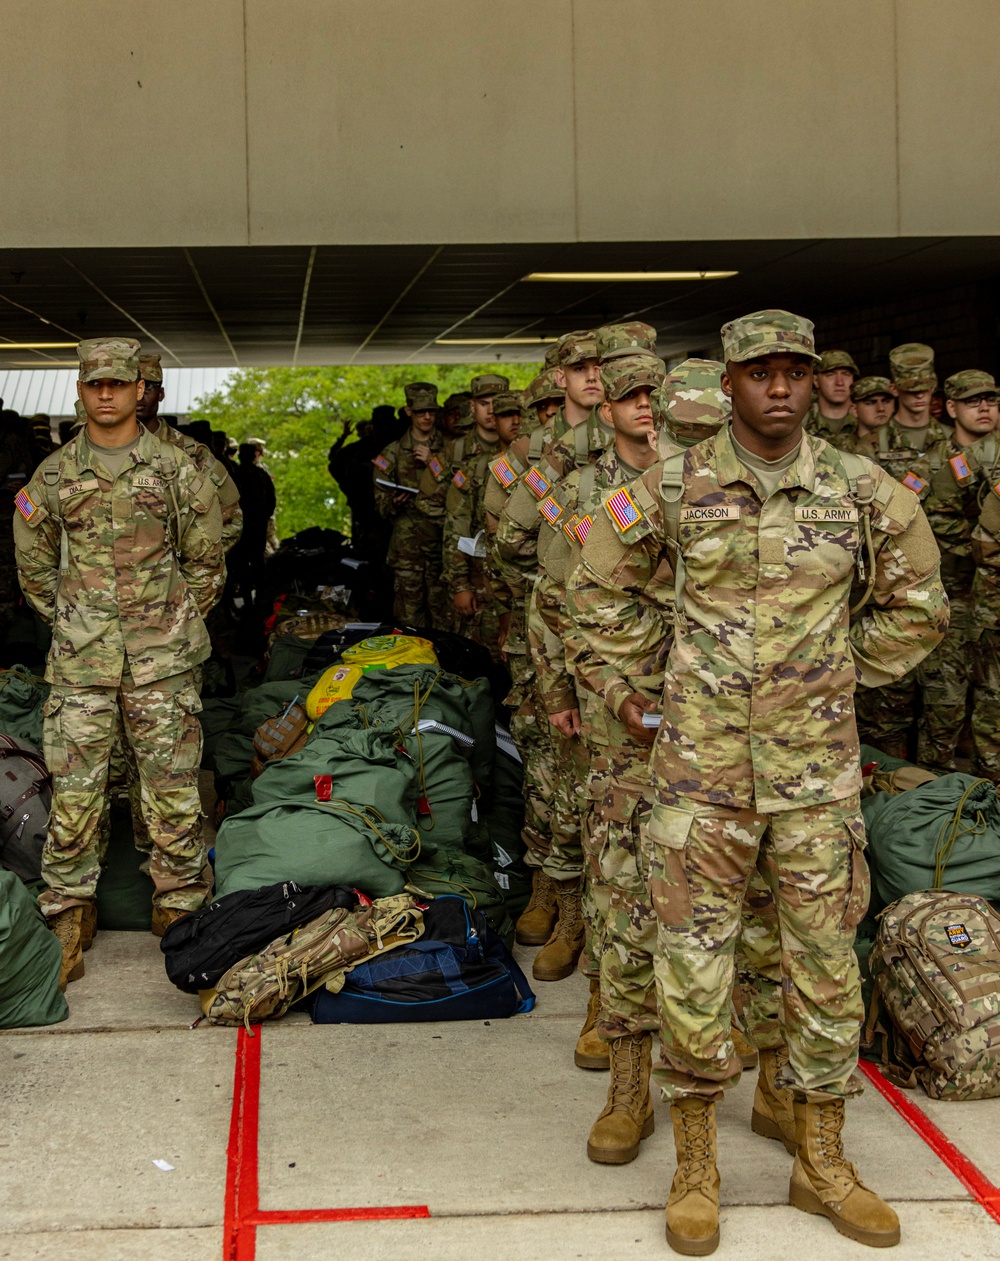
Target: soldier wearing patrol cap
[[139, 530], [914, 381], [756, 756], [542, 399], [874, 406], [830, 416], [415, 544]]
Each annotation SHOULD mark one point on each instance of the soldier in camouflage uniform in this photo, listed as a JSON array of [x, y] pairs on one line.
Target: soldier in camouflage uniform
[[16, 466], [541, 401], [415, 546], [874, 407], [829, 414], [464, 567], [140, 530], [757, 747]]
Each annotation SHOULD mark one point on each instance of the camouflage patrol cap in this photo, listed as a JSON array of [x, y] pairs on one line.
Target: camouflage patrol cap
[[692, 402], [961, 385], [256, 442], [576, 347], [109, 359], [506, 401], [552, 355], [456, 400], [543, 389], [629, 372], [911, 367], [767, 333], [868, 386], [831, 359], [150, 369], [487, 385], [615, 340], [421, 396]]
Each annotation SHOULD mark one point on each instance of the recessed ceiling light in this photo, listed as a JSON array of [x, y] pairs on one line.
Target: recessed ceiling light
[[629, 276], [37, 345], [494, 341]]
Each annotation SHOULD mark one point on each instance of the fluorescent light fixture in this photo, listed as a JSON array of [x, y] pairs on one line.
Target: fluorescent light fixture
[[603, 277], [42, 366], [494, 341], [37, 345]]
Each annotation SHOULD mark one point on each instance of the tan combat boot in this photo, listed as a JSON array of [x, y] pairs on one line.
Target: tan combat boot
[[163, 917], [693, 1206], [628, 1115], [557, 958], [747, 1054], [824, 1182], [88, 926], [772, 1115], [67, 927], [591, 1049], [535, 923]]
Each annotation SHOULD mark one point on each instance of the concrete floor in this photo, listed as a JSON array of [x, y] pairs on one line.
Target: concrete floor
[[485, 1124]]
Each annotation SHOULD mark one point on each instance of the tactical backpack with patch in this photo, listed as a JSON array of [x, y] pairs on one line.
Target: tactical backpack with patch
[[25, 796], [278, 737], [936, 968]]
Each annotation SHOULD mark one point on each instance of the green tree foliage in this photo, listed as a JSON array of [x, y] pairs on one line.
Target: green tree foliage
[[300, 412]]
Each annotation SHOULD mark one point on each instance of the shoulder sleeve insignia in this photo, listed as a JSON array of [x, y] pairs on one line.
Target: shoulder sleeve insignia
[[621, 508], [434, 464], [569, 527], [537, 484], [582, 528], [551, 510], [914, 483], [503, 472], [26, 506], [381, 462], [960, 468], [459, 479]]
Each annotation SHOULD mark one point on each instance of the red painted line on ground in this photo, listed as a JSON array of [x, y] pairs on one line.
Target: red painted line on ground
[[971, 1177], [243, 1213]]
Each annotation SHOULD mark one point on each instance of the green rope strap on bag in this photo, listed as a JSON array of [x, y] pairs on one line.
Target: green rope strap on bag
[[954, 829]]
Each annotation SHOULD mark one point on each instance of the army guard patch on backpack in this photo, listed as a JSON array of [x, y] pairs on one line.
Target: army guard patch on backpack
[[621, 507], [958, 934], [537, 484]]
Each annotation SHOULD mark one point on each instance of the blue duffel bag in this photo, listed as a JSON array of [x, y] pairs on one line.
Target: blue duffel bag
[[459, 970]]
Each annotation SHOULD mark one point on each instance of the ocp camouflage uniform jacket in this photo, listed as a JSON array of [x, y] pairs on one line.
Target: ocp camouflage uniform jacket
[[898, 449], [215, 470], [945, 479], [465, 513], [836, 432], [415, 525], [759, 683], [985, 601], [138, 579]]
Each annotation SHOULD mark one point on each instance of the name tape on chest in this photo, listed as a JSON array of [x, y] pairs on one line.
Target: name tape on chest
[[145, 482], [623, 510], [710, 512], [551, 509], [459, 479], [537, 484], [381, 462], [434, 464], [914, 483], [812, 514], [25, 505], [76, 488], [503, 472]]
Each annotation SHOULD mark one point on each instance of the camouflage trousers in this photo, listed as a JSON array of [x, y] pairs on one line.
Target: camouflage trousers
[[701, 860], [123, 786], [886, 715], [564, 860], [530, 730], [419, 594], [986, 706], [623, 940], [161, 726], [944, 678], [484, 625]]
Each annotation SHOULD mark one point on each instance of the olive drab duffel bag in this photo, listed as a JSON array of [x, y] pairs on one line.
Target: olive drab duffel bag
[[936, 968]]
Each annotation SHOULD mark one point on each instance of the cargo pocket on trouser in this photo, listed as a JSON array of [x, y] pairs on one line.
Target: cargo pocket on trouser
[[621, 866], [666, 840], [187, 747], [859, 890], [53, 736]]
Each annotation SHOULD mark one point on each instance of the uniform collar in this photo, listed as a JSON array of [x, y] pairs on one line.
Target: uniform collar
[[85, 458], [730, 468]]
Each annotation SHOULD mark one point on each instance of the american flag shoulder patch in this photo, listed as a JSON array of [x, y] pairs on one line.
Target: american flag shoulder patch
[[569, 527], [960, 468], [582, 528], [459, 478], [434, 464], [25, 505], [914, 483], [551, 509], [503, 472], [381, 462], [622, 509], [536, 483]]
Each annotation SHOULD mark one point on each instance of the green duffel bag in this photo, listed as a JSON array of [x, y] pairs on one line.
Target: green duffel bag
[[124, 890], [216, 717], [22, 695], [287, 657], [313, 843], [233, 751], [365, 767], [30, 959], [944, 834]]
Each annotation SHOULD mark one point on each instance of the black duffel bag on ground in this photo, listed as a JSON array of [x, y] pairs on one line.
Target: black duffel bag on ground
[[25, 796]]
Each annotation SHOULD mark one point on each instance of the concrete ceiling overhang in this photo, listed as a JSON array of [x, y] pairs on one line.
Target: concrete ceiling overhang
[[282, 305]]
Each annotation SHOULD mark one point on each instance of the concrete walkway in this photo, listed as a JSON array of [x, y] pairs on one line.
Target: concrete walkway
[[481, 1127]]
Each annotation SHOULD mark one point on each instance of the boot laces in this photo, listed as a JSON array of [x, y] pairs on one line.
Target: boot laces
[[65, 927], [541, 893], [626, 1071], [830, 1124], [698, 1155], [568, 898]]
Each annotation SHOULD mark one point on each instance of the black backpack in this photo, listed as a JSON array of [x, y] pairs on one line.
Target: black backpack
[[25, 797], [200, 948]]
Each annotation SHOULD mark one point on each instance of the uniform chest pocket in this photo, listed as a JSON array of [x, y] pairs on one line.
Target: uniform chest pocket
[[823, 541], [719, 546], [79, 503]]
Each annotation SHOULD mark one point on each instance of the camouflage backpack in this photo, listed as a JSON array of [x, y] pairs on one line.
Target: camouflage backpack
[[936, 967], [265, 985]]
